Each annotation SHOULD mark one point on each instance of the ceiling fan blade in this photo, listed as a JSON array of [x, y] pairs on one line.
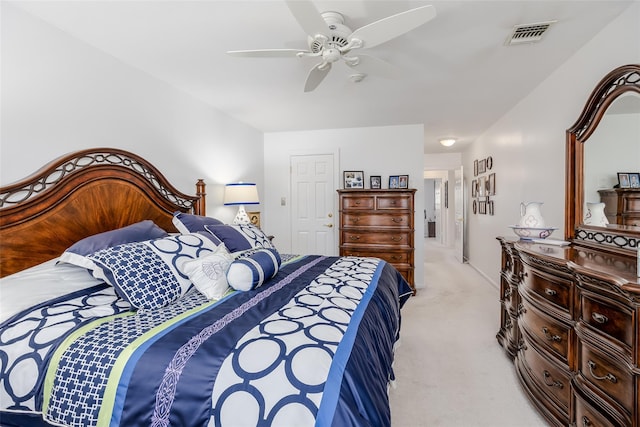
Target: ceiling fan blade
[[308, 17], [375, 66], [393, 26], [316, 75], [267, 53]]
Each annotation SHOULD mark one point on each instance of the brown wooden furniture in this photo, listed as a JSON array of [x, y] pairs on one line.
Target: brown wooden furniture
[[622, 205], [571, 321], [44, 214], [379, 223], [570, 316]]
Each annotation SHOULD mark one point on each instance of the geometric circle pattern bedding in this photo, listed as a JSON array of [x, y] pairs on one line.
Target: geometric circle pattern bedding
[[33, 335], [278, 352]]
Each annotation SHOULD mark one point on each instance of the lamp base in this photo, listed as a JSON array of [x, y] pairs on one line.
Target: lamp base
[[241, 216]]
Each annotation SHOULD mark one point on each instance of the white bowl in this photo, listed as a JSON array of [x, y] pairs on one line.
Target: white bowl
[[533, 233]]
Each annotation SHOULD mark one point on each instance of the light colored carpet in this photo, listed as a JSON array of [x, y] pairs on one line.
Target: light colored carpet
[[450, 370]]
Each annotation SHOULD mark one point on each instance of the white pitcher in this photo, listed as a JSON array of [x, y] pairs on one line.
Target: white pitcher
[[530, 215], [594, 214]]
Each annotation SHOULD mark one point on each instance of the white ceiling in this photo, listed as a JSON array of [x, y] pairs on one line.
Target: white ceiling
[[459, 77]]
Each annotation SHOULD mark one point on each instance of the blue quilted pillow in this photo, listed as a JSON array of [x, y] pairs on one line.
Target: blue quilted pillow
[[188, 223], [240, 237], [151, 274], [77, 253], [253, 268]]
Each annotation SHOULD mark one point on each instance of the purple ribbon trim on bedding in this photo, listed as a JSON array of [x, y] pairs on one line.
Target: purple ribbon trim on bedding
[[166, 392]]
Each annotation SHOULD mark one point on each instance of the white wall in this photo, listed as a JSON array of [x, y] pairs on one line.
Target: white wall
[[60, 95], [386, 150], [528, 143]]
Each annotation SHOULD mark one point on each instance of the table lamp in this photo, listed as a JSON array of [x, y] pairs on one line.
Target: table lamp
[[241, 193]]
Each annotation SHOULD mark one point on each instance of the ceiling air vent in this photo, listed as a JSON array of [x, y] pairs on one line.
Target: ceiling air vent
[[528, 33]]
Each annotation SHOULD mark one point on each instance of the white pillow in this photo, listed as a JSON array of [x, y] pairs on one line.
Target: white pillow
[[209, 272]]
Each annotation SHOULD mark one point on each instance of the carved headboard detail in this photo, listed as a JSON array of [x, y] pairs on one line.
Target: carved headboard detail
[[81, 194]]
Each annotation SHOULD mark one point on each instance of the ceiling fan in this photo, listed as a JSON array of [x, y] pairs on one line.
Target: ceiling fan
[[330, 40]]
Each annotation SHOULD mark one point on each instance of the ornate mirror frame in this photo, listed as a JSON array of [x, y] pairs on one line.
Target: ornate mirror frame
[[620, 239]]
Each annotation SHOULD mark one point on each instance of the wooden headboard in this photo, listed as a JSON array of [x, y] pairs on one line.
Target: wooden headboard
[[81, 194]]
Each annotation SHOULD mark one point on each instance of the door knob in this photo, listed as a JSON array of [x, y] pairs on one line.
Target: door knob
[[328, 225], [330, 215]]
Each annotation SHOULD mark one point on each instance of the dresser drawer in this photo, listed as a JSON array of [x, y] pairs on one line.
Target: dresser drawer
[[548, 332], [549, 377], [397, 220], [393, 257], [358, 202], [631, 219], [396, 238], [552, 289], [611, 319], [589, 414], [607, 376], [393, 202]]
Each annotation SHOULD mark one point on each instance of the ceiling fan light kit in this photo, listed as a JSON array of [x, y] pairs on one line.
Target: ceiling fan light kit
[[329, 39]]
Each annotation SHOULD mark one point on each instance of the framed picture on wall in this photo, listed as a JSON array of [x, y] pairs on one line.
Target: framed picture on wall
[[375, 182], [353, 179], [474, 188], [491, 184]]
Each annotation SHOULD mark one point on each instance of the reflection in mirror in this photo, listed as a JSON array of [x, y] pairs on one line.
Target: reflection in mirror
[[613, 147]]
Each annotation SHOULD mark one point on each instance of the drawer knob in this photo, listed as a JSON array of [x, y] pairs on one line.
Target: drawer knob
[[609, 376], [396, 257], [550, 292], [355, 219], [396, 238], [547, 335], [550, 382], [354, 237], [357, 202], [600, 318], [396, 219]]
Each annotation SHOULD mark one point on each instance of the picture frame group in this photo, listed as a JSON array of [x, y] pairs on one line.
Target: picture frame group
[[628, 179], [398, 181], [356, 180]]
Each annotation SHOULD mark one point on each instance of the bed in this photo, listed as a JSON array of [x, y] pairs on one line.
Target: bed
[[124, 304]]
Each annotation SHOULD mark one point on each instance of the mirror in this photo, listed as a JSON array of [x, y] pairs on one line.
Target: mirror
[[604, 140]]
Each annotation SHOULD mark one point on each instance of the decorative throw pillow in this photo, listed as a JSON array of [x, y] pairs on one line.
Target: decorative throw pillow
[[240, 237], [77, 253], [188, 223], [151, 274], [209, 272], [253, 268]]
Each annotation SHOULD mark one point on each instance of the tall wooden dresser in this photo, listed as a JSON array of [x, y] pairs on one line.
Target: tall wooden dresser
[[622, 205], [379, 223]]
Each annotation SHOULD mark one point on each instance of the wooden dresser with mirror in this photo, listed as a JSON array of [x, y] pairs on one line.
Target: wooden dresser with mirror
[[570, 315]]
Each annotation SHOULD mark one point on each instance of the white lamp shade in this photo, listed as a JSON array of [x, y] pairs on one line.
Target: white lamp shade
[[241, 193]]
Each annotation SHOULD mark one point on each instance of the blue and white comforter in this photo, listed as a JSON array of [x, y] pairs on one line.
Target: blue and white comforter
[[313, 346]]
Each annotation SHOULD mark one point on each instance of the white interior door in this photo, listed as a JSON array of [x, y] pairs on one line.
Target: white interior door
[[313, 198]]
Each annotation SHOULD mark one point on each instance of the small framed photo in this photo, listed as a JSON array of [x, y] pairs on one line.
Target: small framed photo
[[475, 167], [375, 182], [634, 180], [482, 166], [482, 207], [490, 203], [491, 185], [474, 188], [482, 186], [403, 181], [353, 179], [394, 181], [475, 206], [254, 217], [623, 180], [489, 163]]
